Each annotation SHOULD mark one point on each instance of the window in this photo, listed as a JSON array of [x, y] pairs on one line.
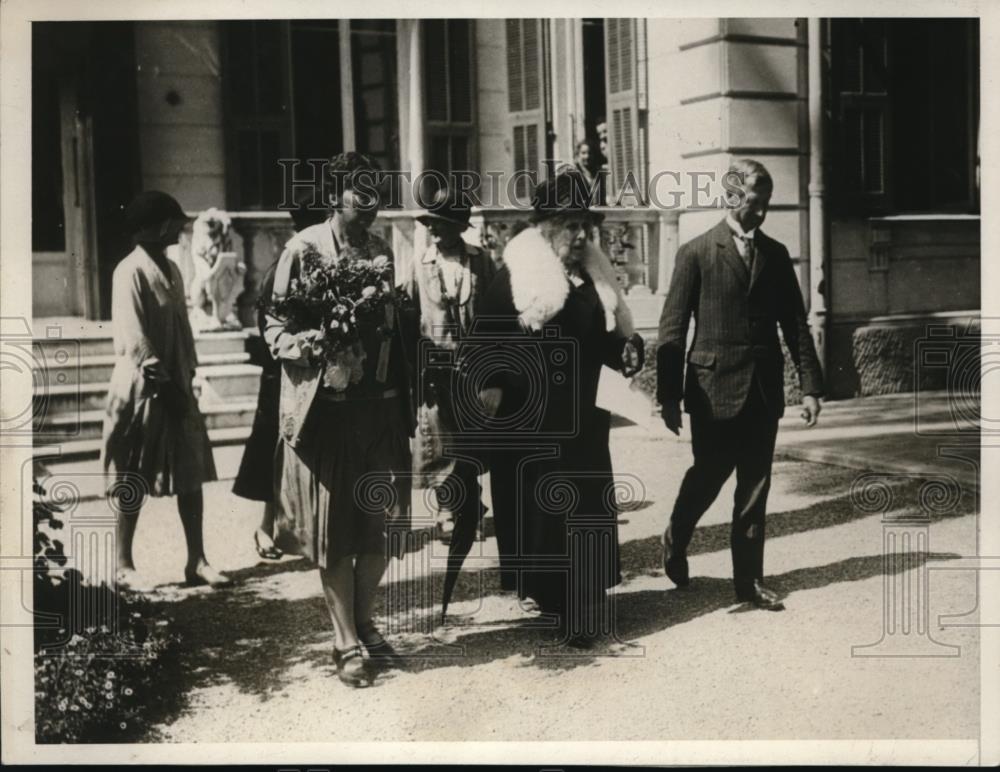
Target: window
[[624, 42], [258, 112], [525, 103], [905, 111], [376, 117], [318, 117], [284, 100], [448, 88]]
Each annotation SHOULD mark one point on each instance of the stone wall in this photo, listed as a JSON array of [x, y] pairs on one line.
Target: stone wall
[[895, 358], [179, 89]]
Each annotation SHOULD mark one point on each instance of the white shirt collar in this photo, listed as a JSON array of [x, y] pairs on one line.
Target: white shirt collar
[[738, 229]]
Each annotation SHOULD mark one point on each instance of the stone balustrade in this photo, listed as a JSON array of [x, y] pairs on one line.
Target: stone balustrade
[[640, 241]]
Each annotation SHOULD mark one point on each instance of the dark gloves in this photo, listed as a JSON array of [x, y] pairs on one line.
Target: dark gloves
[[633, 355]]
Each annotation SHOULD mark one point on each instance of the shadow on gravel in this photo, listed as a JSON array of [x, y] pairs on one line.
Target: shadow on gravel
[[271, 629], [261, 645], [645, 612], [645, 556]]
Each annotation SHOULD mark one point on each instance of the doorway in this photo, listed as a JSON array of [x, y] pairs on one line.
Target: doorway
[[594, 98], [85, 162]]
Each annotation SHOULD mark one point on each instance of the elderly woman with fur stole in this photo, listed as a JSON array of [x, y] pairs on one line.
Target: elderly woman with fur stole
[[554, 317]]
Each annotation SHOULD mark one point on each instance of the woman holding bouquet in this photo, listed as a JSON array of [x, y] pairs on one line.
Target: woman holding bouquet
[[345, 410]]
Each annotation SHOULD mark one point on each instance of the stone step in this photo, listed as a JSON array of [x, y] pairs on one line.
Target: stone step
[[100, 340], [53, 453], [216, 382], [97, 368], [102, 344], [68, 398], [225, 382], [88, 424]]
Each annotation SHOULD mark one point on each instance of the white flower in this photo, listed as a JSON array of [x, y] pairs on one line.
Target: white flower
[[62, 705], [380, 261], [367, 292], [128, 692]]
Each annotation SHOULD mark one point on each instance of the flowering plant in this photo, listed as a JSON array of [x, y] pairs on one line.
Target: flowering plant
[[334, 304]]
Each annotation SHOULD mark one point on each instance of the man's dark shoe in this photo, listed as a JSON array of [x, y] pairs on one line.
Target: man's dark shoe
[[675, 566], [761, 597]]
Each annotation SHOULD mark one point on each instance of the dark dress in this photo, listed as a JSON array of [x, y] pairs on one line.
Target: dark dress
[[551, 476], [255, 479]]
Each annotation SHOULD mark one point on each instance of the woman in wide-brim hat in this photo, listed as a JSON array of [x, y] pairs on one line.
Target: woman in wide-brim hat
[[154, 440], [447, 282], [557, 295]]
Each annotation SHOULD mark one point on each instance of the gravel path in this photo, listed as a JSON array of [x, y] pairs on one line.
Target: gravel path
[[685, 665]]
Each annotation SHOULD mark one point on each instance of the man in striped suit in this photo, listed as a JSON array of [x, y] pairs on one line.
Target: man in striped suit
[[740, 286]]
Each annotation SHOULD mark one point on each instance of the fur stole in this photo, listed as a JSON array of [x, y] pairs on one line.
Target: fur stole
[[540, 288]]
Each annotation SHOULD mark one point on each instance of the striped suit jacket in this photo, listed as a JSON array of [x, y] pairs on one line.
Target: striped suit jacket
[[736, 327]]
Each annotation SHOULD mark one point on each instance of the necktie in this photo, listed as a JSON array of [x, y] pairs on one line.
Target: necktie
[[749, 251]]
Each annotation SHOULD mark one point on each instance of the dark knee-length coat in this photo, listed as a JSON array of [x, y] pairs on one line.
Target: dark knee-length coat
[[550, 465]]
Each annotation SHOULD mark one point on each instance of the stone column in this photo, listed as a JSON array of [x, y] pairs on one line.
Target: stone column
[[667, 243], [817, 193]]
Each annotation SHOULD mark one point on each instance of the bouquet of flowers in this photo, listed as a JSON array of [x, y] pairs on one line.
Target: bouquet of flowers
[[334, 304]]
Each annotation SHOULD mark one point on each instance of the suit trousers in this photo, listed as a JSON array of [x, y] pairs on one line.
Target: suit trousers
[[744, 443]]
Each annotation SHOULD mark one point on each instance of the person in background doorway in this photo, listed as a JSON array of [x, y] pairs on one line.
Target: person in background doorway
[[587, 163]]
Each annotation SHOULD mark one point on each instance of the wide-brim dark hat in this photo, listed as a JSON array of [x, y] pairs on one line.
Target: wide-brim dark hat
[[150, 209], [564, 194], [449, 208]]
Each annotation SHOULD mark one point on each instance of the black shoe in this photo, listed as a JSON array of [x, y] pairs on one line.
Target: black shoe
[[675, 565], [268, 553], [380, 651], [761, 597]]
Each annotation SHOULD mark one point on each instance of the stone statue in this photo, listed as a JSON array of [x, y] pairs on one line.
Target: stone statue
[[218, 273]]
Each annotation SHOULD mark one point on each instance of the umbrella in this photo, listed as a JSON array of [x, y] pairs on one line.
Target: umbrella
[[467, 522]]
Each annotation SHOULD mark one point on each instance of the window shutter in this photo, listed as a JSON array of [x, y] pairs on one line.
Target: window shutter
[[258, 114], [448, 79], [525, 92], [861, 91], [436, 69], [621, 47]]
